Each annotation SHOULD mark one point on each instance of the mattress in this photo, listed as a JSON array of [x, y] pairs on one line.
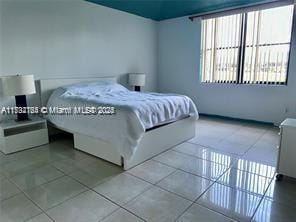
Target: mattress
[[135, 112]]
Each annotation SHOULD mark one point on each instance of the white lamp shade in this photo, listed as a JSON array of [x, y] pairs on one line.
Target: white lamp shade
[[18, 85], [136, 79]]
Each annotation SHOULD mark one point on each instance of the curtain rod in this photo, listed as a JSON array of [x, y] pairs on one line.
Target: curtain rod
[[248, 7]]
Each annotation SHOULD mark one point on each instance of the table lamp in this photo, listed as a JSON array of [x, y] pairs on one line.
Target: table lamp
[[19, 86], [137, 80]]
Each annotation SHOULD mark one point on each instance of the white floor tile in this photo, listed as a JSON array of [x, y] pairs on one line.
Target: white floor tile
[[88, 206], [206, 141], [265, 156], [151, 171], [252, 166], [17, 209], [7, 189], [122, 188], [36, 177], [270, 211], [231, 202], [40, 218], [122, 215], [245, 181], [66, 165], [232, 147], [185, 184], [190, 164], [201, 152], [69, 165], [183, 171], [201, 214], [55, 192], [283, 192], [96, 173], [243, 139], [18, 167], [158, 205]]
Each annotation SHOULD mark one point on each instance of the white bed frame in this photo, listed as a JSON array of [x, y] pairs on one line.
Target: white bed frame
[[153, 142]]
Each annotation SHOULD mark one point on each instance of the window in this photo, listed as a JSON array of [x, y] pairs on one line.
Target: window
[[247, 48]]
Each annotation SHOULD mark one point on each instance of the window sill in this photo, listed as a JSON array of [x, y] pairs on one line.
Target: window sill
[[242, 84]]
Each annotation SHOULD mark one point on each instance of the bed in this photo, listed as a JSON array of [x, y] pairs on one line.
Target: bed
[[137, 132]]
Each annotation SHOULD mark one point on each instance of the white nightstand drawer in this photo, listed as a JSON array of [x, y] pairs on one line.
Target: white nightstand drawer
[[25, 140], [20, 135]]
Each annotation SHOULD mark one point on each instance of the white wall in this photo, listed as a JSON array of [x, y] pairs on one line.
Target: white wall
[[74, 38], [1, 27], [178, 71], [61, 38]]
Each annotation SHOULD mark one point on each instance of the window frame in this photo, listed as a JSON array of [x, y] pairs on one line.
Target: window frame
[[241, 53]]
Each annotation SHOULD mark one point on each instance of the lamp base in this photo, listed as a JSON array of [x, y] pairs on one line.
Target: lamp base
[[138, 88], [21, 102]]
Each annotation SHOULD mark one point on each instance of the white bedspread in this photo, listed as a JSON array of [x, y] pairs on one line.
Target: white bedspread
[[135, 112]]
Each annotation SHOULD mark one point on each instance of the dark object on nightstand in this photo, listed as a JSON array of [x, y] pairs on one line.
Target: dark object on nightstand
[[138, 88], [21, 101], [137, 80]]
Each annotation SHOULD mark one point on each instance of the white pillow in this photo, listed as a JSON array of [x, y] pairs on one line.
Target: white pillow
[[92, 88]]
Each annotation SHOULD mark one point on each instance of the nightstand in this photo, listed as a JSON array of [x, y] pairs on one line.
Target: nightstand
[[286, 164], [16, 136]]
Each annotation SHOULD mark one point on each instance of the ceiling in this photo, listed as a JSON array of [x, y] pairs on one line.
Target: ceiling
[[165, 9]]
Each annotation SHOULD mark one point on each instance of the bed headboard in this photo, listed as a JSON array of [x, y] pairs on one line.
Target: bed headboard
[[47, 86]]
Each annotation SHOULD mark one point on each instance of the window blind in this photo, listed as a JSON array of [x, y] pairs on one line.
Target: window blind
[[247, 48]]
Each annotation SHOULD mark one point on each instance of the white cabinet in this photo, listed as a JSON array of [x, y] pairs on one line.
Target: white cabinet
[[16, 136], [287, 151]]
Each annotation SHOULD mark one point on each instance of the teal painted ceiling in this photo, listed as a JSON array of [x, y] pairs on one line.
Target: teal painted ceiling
[[165, 9]]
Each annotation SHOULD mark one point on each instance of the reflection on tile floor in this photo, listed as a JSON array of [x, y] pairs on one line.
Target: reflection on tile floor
[[231, 202], [225, 173], [245, 181]]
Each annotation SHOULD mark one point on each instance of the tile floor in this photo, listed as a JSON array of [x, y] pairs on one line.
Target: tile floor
[[225, 173]]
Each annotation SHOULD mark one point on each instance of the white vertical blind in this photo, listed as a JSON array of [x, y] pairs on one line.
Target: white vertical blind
[[220, 44], [267, 45], [258, 55]]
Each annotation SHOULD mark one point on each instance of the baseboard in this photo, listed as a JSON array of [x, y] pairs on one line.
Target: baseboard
[[237, 119]]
